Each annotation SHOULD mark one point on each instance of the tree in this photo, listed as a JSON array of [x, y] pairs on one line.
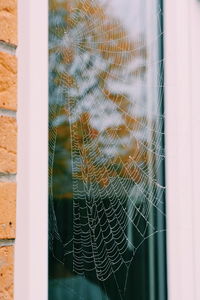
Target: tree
[[93, 69]]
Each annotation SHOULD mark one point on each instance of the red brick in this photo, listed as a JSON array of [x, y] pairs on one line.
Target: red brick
[[8, 79], [7, 209], [6, 273], [8, 133], [8, 21]]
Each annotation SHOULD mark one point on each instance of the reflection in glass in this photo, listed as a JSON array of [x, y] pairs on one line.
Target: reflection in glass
[[106, 187]]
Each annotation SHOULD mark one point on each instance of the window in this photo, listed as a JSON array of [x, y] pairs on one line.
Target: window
[[106, 156], [181, 47]]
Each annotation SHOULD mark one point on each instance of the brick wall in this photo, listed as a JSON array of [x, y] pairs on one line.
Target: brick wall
[[8, 72]]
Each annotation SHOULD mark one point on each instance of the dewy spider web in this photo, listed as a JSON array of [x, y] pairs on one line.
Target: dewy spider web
[[105, 130]]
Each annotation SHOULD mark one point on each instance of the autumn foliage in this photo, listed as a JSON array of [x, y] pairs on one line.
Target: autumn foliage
[[92, 61]]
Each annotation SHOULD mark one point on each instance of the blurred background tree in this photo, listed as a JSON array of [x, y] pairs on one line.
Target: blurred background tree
[[96, 79]]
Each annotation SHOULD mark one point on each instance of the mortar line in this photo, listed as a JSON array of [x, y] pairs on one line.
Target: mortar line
[[8, 48], [7, 113], [7, 242], [7, 177]]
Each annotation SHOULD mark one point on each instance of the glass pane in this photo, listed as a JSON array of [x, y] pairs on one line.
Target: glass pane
[[106, 150]]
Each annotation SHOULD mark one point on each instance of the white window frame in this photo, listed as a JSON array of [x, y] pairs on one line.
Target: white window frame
[[182, 95], [182, 107], [31, 249]]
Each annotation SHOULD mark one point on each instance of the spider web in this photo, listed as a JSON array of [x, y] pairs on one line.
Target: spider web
[[106, 130]]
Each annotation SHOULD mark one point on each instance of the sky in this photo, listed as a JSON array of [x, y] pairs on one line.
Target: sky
[[130, 12]]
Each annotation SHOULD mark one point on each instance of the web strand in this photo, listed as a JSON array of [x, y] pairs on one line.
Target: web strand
[[106, 133]]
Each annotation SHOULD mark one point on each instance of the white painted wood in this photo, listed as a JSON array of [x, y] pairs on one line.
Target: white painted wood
[[182, 48], [195, 136], [32, 178]]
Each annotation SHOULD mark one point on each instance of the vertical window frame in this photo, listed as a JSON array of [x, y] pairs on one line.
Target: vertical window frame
[[182, 20], [31, 248], [182, 111]]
